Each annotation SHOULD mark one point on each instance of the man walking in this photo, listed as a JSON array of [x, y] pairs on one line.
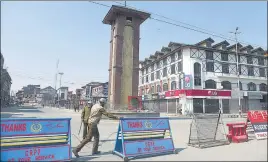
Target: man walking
[[84, 117], [95, 116]]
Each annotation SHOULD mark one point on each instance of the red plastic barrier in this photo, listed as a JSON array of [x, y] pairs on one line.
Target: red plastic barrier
[[237, 132]]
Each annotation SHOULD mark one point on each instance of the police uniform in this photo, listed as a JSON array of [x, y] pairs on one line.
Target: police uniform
[[84, 118], [95, 116]]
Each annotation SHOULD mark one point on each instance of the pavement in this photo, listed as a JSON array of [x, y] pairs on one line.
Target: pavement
[[253, 150]]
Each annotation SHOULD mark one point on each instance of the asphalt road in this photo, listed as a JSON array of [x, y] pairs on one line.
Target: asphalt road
[[253, 150]]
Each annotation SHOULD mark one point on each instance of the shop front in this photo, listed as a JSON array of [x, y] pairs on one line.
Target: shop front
[[200, 100]]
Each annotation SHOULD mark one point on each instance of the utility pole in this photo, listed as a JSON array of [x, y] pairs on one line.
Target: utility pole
[[125, 3], [237, 67], [56, 75], [60, 73]]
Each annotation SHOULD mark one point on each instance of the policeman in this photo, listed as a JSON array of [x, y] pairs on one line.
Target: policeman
[[95, 116], [84, 117]]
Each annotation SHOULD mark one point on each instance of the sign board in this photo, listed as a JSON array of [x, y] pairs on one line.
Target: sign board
[[35, 139], [143, 136], [258, 120], [188, 82], [254, 95]]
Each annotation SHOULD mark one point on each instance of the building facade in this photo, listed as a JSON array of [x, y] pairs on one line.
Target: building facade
[[6, 82], [30, 93], [48, 95], [62, 96], [202, 78], [99, 92], [86, 92]]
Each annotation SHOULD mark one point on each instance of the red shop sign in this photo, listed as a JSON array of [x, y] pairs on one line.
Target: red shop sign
[[198, 92]]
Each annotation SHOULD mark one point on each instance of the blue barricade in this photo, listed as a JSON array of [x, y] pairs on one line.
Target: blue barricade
[[143, 136], [36, 139]]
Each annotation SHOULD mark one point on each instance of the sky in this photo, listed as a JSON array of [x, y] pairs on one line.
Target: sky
[[35, 34]]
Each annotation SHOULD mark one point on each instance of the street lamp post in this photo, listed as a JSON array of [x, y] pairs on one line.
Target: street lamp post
[[237, 67]]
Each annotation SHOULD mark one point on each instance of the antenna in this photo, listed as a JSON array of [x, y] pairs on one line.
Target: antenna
[[56, 75]]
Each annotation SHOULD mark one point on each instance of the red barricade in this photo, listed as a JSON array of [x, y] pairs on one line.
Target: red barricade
[[237, 132]]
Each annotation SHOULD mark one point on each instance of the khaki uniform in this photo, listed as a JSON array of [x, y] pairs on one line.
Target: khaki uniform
[[95, 116], [84, 117]]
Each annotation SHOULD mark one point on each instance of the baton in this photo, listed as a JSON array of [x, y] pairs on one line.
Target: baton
[[80, 128]]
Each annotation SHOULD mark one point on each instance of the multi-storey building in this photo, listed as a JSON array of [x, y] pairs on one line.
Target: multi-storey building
[[62, 95], [48, 95], [30, 93], [204, 77], [100, 91], [86, 92], [6, 82]]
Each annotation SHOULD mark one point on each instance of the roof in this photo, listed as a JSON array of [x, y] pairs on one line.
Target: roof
[[257, 49], [233, 46], [210, 40], [174, 43], [221, 43], [115, 10], [247, 47]]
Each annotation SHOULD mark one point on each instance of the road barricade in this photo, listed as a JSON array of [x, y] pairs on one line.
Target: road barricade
[[36, 139], [258, 119], [237, 132], [138, 137]]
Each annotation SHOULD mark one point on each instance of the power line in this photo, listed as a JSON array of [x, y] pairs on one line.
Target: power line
[[207, 32]]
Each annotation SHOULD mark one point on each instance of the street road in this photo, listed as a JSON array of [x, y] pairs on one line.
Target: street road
[[250, 151]]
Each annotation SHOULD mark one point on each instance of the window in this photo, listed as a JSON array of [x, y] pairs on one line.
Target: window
[[209, 55], [158, 74], [157, 65], [249, 60], [263, 87], [62, 96], [173, 71], [225, 68], [152, 89], [158, 88], [165, 72], [251, 86], [210, 84], [210, 66], [260, 61], [262, 72], [226, 85], [173, 85], [165, 87], [224, 56], [179, 66], [250, 71], [152, 68], [197, 74], [179, 55], [142, 80], [164, 61], [152, 76], [172, 58], [142, 72], [147, 78]]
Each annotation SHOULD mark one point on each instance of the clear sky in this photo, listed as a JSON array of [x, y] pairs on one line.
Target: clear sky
[[35, 34]]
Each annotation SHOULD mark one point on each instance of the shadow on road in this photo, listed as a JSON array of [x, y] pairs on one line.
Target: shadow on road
[[9, 112]]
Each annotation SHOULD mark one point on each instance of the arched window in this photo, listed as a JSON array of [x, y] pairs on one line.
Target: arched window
[[197, 74], [173, 85], [263, 87], [210, 84], [165, 87], [158, 88], [226, 85], [251, 86], [152, 89]]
